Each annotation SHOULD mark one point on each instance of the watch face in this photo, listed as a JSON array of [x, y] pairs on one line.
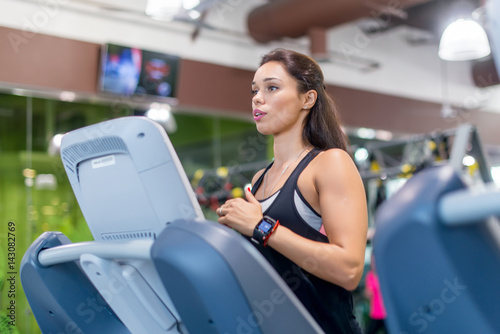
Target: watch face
[[264, 226]]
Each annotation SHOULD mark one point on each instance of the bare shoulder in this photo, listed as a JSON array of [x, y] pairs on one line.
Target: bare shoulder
[[333, 157], [334, 165]]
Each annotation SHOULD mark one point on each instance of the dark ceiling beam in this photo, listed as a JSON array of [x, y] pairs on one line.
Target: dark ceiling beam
[[294, 18]]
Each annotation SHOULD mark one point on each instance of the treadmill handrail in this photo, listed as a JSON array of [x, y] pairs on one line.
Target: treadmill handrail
[[469, 206], [118, 250]]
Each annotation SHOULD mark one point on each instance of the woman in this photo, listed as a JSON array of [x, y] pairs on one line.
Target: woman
[[312, 188]]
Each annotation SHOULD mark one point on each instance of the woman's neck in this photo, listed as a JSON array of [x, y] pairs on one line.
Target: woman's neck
[[287, 149]]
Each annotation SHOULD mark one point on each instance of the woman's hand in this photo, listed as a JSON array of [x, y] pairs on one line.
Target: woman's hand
[[240, 214]]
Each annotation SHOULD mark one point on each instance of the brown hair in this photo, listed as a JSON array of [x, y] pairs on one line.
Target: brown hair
[[321, 126]]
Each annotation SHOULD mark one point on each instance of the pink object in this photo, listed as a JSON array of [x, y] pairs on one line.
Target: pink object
[[322, 229], [377, 309]]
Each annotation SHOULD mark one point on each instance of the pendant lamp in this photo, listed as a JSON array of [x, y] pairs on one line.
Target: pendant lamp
[[163, 10], [463, 39]]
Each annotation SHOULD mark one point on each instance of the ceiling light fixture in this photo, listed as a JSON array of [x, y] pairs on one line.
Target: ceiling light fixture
[[162, 114], [190, 4], [194, 14], [464, 39], [172, 9], [163, 10]]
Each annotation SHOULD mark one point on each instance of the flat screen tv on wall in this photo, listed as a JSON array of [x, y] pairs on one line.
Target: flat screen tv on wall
[[129, 71]]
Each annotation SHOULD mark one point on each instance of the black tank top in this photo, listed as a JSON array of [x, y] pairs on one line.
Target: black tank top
[[329, 304]]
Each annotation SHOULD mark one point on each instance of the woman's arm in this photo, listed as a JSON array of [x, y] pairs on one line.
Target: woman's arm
[[342, 204]]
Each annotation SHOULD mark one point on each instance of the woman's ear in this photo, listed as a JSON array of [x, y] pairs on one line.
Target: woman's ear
[[309, 99]]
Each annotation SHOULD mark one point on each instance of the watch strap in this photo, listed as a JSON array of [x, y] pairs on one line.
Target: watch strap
[[259, 236]]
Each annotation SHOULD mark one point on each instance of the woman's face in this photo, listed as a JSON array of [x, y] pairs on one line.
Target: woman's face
[[276, 103]]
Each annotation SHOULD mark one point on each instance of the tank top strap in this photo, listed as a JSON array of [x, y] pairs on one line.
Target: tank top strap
[[290, 184], [292, 179], [260, 179]]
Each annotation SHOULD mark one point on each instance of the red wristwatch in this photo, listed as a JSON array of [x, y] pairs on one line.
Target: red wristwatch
[[264, 229]]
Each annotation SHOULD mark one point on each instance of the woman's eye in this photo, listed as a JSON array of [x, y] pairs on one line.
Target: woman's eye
[[254, 92], [272, 88]]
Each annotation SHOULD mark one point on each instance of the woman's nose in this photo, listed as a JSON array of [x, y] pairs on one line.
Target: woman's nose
[[257, 99]]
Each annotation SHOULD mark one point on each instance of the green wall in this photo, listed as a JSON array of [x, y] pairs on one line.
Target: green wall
[[203, 143]]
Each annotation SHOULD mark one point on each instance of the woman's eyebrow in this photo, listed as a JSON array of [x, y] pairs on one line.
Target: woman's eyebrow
[[268, 79]]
